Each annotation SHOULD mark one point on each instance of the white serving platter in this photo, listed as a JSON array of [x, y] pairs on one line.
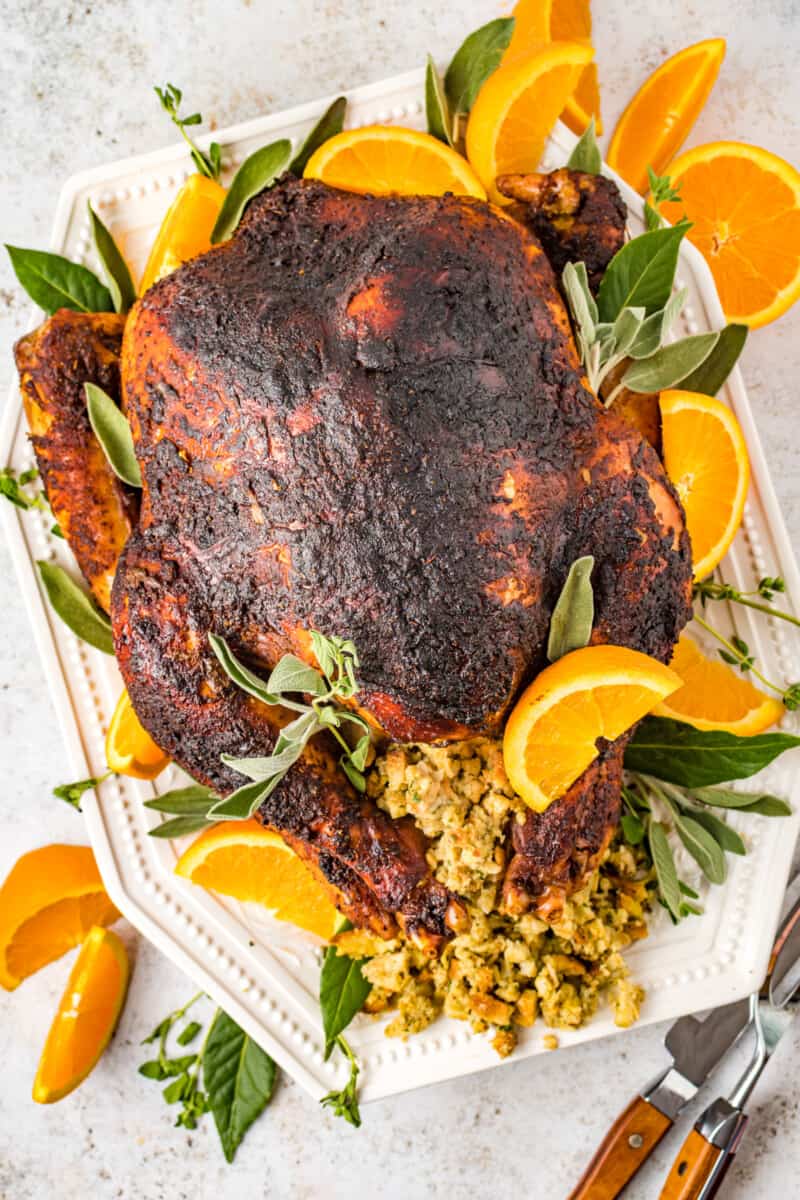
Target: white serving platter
[[263, 972]]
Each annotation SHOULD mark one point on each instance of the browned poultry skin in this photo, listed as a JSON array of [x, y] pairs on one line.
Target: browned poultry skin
[[366, 416], [95, 510]]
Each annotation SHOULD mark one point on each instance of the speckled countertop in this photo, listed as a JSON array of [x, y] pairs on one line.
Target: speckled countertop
[[75, 91]]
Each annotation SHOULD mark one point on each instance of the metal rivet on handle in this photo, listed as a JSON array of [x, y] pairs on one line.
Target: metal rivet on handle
[[636, 1141]]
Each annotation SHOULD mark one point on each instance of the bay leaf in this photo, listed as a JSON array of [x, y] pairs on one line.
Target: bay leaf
[[76, 608], [330, 123], [118, 277], [113, 432], [474, 61], [256, 173], [54, 282], [641, 273]]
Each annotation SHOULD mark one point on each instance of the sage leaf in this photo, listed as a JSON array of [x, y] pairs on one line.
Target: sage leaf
[[241, 804], [721, 832], [749, 802], [573, 615], [670, 364], [586, 154], [704, 849], [699, 758], [664, 864], [653, 330], [342, 992], [242, 676], [293, 675], [330, 123], [194, 800], [709, 377], [627, 328], [437, 110], [353, 774], [632, 829], [179, 827], [118, 277], [260, 769], [581, 301], [239, 1079], [474, 61], [256, 173], [54, 282], [770, 806], [641, 273], [76, 608], [113, 432], [73, 793]]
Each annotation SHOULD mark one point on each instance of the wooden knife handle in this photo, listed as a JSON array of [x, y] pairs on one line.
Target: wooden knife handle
[[630, 1140], [693, 1168]]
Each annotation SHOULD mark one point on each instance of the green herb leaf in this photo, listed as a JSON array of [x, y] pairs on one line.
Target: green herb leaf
[[330, 123], [581, 301], [73, 793], [664, 864], [661, 190], [207, 164], [632, 829], [751, 802], [293, 675], [586, 154], [437, 110], [241, 804], [703, 848], [76, 608], [194, 800], [342, 992], [345, 1102], [696, 758], [640, 275], [118, 277], [239, 1078], [113, 432], [54, 282], [670, 364], [255, 175], [179, 827], [573, 615], [175, 1090], [260, 769], [709, 377], [239, 674], [721, 832], [11, 487], [474, 61], [654, 328], [189, 1033], [152, 1069]]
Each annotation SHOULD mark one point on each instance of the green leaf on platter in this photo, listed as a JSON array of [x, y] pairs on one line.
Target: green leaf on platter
[[76, 608], [573, 615], [342, 992], [664, 863], [256, 173], [695, 758], [330, 123], [703, 847], [474, 61], [437, 110], [179, 827], [241, 804], [586, 154], [670, 364], [721, 832], [54, 282], [194, 800], [632, 829], [118, 277], [641, 274], [113, 432], [262, 769], [653, 330], [293, 675], [709, 377], [751, 802], [73, 793], [239, 1079]]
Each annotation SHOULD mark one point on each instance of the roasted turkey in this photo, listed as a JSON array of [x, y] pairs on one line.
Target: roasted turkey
[[367, 416]]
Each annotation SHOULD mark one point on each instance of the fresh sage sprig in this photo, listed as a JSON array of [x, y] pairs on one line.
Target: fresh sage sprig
[[188, 807], [54, 282], [73, 793], [699, 758], [476, 59], [709, 377], [586, 154], [113, 432], [75, 607], [330, 123], [662, 191], [207, 164], [345, 1101], [437, 109], [573, 615], [736, 652], [118, 277], [255, 175]]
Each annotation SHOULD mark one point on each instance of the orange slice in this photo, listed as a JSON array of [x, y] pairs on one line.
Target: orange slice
[[244, 860], [516, 109], [658, 119], [705, 456], [598, 692], [382, 159], [186, 229], [540, 21], [49, 901], [129, 748], [745, 205], [714, 696], [86, 1017]]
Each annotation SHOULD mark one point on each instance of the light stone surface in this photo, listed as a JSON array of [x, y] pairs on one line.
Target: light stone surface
[[75, 83]]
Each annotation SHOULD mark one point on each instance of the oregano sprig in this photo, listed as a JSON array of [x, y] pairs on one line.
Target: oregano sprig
[[662, 191], [344, 1102], [207, 164]]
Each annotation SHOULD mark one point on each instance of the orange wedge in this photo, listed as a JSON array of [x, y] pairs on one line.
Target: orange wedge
[[186, 229], [552, 734], [49, 901], [658, 119], [129, 748], [714, 696], [86, 1018], [384, 158], [516, 109], [745, 205], [540, 21], [705, 456], [244, 860]]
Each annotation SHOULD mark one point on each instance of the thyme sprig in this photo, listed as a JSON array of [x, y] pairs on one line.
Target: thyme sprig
[[207, 164], [710, 589], [737, 653], [662, 191], [345, 1102]]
